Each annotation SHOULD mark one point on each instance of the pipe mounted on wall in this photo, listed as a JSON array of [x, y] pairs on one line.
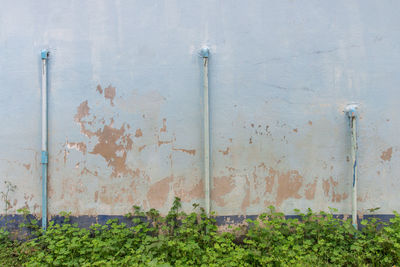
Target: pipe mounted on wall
[[206, 121], [44, 160], [351, 111]]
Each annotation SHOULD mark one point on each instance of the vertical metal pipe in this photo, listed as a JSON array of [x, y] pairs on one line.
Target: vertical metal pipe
[[206, 117], [352, 113], [44, 161]]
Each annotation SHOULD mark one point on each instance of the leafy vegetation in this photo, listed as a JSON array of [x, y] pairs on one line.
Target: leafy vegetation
[[181, 239]]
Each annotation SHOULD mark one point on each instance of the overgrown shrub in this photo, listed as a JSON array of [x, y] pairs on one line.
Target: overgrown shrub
[[181, 239]]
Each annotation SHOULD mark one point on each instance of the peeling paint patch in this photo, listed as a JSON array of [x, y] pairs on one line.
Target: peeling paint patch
[[196, 192], [329, 186], [99, 89], [387, 154], [221, 186], [225, 152], [289, 184], [27, 166], [164, 128], [80, 146], [138, 133], [246, 199], [326, 186], [269, 181], [109, 93], [83, 111], [188, 151], [310, 190], [158, 193], [160, 142], [113, 145]]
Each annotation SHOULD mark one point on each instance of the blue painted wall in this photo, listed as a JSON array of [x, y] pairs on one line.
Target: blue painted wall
[[125, 103]]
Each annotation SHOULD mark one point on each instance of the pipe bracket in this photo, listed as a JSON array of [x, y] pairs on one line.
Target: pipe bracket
[[45, 157]]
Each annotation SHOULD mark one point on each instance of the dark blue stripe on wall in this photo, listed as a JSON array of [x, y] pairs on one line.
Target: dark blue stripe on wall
[[12, 222]]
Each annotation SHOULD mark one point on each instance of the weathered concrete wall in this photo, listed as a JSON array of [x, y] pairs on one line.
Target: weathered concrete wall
[[125, 103]]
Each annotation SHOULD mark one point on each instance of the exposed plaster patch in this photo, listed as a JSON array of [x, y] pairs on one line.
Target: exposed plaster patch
[[158, 193], [310, 190], [186, 195], [164, 128], [109, 93], [289, 184], [326, 186], [138, 133], [221, 186], [188, 151], [99, 89], [225, 152], [246, 199], [160, 142], [80, 146], [27, 166], [269, 181], [387, 154], [112, 141], [330, 186], [96, 196], [83, 111]]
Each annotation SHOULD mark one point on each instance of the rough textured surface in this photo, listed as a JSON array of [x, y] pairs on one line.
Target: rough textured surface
[[125, 104]]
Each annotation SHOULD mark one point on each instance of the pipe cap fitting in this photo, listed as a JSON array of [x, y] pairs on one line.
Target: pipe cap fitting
[[44, 54], [204, 52], [351, 110]]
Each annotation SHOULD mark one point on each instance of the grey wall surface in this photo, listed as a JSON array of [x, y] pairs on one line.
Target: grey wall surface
[[125, 104]]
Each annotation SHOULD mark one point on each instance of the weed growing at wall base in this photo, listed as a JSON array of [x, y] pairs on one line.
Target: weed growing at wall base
[[181, 239]]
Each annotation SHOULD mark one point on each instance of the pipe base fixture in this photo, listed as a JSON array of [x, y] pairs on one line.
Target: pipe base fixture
[[205, 51]]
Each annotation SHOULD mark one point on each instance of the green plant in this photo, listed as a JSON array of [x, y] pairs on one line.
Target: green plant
[[5, 198], [193, 239]]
